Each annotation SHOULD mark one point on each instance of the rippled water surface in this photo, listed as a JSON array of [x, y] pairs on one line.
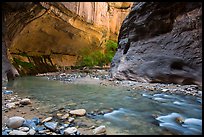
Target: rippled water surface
[[133, 112]]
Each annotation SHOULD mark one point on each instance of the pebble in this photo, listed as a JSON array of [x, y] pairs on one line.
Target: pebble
[[65, 116], [43, 131], [5, 133], [47, 119], [15, 122], [10, 105], [7, 92], [164, 90], [17, 103], [4, 88], [24, 129], [40, 128], [179, 120], [99, 130], [71, 119], [36, 120], [17, 132], [12, 99], [70, 130], [78, 112], [25, 101], [51, 125], [31, 132], [59, 114], [30, 124]]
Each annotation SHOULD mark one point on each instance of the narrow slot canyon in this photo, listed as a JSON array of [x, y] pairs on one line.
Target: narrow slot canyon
[[101, 68]]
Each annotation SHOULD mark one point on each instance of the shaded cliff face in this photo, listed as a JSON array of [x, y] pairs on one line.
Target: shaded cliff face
[[160, 42], [14, 18], [53, 34]]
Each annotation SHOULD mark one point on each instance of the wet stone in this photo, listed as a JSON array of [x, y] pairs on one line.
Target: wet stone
[[71, 119], [70, 130], [36, 120], [61, 131], [5, 132], [31, 132], [47, 119], [44, 131], [7, 92], [24, 129], [51, 125], [17, 132], [65, 116], [179, 120], [99, 130], [30, 124], [78, 112], [40, 128]]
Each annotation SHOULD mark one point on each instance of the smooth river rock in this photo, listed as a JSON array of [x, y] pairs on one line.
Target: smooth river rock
[[10, 105], [25, 101], [51, 125], [99, 130], [15, 122], [70, 130], [47, 119], [31, 132], [78, 112], [24, 129], [17, 132]]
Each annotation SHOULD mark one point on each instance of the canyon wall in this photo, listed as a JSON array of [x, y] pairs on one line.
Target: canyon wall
[[56, 34], [160, 42]]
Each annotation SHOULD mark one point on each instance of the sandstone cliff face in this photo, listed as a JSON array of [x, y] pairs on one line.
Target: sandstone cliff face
[[55, 34], [160, 42]]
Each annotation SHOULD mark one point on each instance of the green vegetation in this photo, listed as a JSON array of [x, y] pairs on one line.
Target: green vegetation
[[23, 64], [98, 58]]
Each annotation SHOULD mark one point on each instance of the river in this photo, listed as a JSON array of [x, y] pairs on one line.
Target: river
[[132, 112]]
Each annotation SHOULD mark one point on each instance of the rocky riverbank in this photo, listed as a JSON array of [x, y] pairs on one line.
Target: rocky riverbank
[[102, 77], [21, 116]]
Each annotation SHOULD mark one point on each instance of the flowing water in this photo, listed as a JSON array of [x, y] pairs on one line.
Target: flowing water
[[133, 112]]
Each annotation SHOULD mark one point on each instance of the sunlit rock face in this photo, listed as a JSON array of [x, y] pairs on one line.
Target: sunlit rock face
[[160, 42], [55, 34]]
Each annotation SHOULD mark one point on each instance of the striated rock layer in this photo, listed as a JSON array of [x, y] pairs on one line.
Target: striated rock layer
[[160, 42], [55, 34]]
